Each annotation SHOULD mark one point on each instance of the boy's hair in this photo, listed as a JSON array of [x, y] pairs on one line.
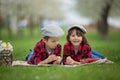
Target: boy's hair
[[46, 37], [78, 32]]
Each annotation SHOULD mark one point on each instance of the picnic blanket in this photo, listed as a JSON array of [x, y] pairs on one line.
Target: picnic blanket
[[24, 63]]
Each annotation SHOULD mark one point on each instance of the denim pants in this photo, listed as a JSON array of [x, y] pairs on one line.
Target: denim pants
[[96, 54]]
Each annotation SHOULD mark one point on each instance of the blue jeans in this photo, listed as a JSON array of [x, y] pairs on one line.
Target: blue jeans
[[28, 57], [96, 54]]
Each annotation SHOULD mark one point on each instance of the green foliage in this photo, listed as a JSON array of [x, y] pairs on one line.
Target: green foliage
[[110, 49]]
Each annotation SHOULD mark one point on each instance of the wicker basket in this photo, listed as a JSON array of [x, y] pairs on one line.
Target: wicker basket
[[6, 57]]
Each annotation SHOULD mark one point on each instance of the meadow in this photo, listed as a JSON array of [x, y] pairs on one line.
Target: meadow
[[110, 49]]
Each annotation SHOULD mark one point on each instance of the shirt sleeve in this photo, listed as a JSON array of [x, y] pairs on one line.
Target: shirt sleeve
[[35, 59], [66, 53], [87, 51], [57, 51]]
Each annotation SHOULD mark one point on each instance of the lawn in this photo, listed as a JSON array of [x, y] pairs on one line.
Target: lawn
[[110, 49]]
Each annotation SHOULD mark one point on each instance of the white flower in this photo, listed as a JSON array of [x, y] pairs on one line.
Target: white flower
[[2, 46], [6, 46], [9, 47]]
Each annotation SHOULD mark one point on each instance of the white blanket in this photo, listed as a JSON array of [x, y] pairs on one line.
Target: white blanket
[[24, 63]]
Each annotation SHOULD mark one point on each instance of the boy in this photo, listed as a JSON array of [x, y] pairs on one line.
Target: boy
[[76, 49], [48, 49]]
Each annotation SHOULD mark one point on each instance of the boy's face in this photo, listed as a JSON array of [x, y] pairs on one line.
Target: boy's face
[[52, 42], [75, 39]]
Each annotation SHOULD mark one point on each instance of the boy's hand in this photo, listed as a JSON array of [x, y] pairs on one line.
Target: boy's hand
[[52, 57], [70, 61], [58, 60]]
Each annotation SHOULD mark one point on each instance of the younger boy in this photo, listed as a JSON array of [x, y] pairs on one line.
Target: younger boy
[[48, 49]]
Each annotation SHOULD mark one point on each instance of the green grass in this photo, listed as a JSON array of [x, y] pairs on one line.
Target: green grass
[[110, 49]]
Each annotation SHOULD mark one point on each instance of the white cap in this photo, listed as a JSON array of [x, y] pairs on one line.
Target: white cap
[[81, 27], [52, 30]]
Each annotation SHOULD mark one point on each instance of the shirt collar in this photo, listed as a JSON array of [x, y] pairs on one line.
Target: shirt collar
[[52, 51]]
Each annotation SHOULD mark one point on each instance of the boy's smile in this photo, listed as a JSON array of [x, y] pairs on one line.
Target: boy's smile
[[75, 39]]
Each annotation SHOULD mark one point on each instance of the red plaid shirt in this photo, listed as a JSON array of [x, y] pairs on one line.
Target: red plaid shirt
[[84, 51], [40, 53]]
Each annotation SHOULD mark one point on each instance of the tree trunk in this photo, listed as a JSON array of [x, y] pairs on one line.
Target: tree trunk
[[102, 24], [102, 27]]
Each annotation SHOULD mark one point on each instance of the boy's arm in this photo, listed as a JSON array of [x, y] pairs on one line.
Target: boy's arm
[[66, 53], [49, 59]]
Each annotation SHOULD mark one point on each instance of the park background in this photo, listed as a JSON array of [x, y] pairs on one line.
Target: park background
[[21, 21]]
